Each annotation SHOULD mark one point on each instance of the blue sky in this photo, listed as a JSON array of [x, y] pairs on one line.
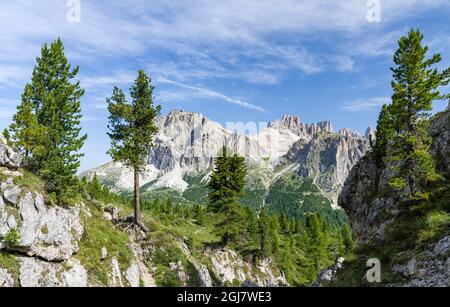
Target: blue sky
[[232, 60]]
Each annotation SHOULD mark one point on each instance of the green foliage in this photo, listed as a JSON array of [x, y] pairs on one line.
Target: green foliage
[[7, 135], [296, 198], [226, 184], [132, 125], [385, 131], [403, 126], [132, 128], [10, 263], [12, 238], [347, 238], [227, 181], [99, 233], [47, 123]]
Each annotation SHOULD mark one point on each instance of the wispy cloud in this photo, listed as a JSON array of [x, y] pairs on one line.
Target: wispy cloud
[[116, 78], [370, 104], [204, 92]]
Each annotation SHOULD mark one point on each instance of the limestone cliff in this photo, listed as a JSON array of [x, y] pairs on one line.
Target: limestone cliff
[[414, 247]]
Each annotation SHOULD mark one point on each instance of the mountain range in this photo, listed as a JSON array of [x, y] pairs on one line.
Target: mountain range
[[302, 165]]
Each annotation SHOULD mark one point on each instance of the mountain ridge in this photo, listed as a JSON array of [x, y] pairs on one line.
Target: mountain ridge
[[187, 143]]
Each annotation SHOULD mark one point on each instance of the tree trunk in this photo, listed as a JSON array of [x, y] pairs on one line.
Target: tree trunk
[[137, 198]]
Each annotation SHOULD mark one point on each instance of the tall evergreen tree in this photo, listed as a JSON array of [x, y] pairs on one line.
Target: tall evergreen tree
[[347, 238], [131, 129], [385, 131], [265, 233], [227, 183], [28, 134], [416, 86], [47, 124]]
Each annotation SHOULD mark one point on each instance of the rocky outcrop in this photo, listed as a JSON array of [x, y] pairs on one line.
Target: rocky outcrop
[[328, 159], [440, 133], [51, 233], [9, 157], [37, 273], [364, 196], [230, 268], [375, 211], [431, 268], [304, 131], [6, 280], [327, 275]]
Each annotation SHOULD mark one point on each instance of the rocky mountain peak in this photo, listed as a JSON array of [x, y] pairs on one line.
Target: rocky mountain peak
[[294, 124]]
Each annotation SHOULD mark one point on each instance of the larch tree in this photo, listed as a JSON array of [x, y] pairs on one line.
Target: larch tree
[[132, 129]]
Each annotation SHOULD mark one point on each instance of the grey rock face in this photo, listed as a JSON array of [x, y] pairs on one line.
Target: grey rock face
[[371, 210], [9, 157], [6, 280], [371, 134], [431, 270], [132, 275], [187, 143], [51, 233], [305, 131], [440, 133], [37, 273], [370, 215], [115, 276], [328, 158], [327, 275]]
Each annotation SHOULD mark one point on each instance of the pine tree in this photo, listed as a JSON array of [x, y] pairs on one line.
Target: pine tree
[[199, 215], [385, 131], [227, 181], [231, 227], [28, 134], [252, 229], [347, 238], [317, 246], [416, 86], [47, 124], [284, 223], [95, 187], [226, 185], [265, 233], [131, 129]]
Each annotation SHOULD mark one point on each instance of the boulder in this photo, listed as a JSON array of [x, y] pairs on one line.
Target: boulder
[[51, 233], [9, 157], [115, 276], [327, 275], [132, 275], [6, 280], [38, 273]]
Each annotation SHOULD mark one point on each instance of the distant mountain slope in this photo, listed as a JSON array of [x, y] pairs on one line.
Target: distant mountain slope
[[185, 147]]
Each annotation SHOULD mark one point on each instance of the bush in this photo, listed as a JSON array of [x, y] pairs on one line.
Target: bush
[[12, 238]]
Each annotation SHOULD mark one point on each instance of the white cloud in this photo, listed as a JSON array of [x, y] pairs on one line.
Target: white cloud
[[370, 104], [204, 92], [13, 76], [117, 78]]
